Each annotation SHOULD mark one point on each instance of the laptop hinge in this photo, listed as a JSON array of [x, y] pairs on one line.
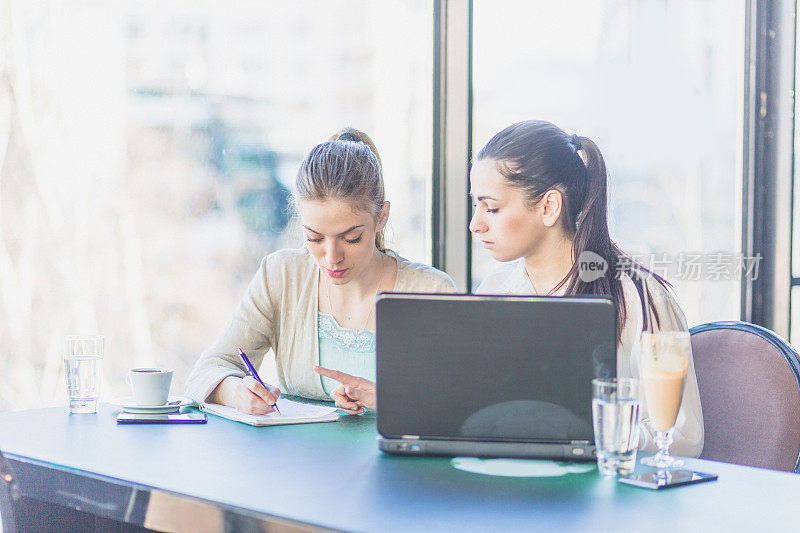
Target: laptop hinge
[[579, 442], [413, 437]]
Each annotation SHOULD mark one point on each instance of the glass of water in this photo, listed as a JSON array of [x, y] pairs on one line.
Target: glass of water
[[615, 413], [83, 360]]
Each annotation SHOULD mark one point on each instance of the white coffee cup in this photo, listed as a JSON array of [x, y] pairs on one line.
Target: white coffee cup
[[150, 385]]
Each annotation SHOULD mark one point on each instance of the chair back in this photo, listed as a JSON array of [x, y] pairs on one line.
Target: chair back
[[749, 381]]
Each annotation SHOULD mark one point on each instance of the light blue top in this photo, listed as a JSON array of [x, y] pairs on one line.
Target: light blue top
[[347, 350]]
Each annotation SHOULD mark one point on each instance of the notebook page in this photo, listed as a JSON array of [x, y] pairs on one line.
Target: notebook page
[[292, 409], [292, 412]]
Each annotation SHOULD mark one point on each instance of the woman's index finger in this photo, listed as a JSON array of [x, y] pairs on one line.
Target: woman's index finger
[[341, 377]]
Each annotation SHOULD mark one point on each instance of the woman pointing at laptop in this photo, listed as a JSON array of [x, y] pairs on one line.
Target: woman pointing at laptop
[[316, 304], [540, 202]]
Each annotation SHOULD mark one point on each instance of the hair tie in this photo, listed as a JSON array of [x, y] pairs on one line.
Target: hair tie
[[576, 142]]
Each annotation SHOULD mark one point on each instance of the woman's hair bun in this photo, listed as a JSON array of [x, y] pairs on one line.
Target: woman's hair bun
[[349, 136]]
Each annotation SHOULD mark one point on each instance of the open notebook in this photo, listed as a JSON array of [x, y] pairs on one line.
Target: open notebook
[[291, 413]]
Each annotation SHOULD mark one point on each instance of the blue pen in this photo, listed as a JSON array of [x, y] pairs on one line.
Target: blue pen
[[252, 371]]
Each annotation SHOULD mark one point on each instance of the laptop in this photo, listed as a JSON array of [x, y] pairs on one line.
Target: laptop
[[491, 376]]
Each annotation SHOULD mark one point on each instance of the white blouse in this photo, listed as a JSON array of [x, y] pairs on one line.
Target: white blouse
[[512, 278]]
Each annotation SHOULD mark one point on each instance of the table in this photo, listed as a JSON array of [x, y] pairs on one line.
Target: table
[[229, 476]]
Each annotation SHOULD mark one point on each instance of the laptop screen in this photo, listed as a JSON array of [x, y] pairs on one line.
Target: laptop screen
[[493, 368]]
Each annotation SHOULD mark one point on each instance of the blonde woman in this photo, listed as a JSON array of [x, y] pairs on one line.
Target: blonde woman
[[315, 305]]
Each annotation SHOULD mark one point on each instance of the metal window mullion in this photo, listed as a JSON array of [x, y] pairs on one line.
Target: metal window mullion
[[769, 160], [452, 138], [748, 151]]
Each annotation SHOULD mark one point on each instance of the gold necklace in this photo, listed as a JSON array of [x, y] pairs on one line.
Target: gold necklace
[[330, 304]]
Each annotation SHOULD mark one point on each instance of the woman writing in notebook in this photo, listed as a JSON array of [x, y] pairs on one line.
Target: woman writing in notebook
[[540, 202], [315, 305]]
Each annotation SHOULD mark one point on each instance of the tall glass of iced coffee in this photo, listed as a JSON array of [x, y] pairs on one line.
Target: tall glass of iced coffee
[[664, 363]]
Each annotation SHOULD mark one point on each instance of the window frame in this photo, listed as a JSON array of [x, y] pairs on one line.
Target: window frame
[[767, 152]]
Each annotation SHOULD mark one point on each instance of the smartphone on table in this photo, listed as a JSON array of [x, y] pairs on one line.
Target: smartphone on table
[[666, 479], [171, 418]]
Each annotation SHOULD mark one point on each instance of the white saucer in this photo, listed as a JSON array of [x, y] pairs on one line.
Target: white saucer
[[174, 404]]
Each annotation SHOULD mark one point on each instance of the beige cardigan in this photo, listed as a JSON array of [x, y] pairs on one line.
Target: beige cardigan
[[511, 278], [279, 311]]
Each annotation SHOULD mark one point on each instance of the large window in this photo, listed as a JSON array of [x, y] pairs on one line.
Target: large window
[[658, 86], [147, 151]]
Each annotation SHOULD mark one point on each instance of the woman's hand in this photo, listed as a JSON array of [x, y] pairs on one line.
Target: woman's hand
[[353, 395], [245, 394]]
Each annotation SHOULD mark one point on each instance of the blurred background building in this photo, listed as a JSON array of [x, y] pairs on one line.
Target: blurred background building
[[147, 152]]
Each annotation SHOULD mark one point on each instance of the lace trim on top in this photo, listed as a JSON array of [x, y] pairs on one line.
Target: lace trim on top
[[353, 340]]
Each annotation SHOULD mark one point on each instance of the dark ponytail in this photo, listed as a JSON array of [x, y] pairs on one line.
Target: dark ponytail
[[536, 156]]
